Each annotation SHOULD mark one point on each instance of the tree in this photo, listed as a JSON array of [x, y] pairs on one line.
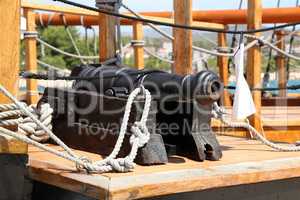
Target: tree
[[58, 37]]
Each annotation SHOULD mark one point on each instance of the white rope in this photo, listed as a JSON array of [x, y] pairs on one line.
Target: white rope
[[157, 56], [274, 47], [48, 66], [27, 112], [25, 125], [65, 53], [218, 113], [74, 44], [140, 136]]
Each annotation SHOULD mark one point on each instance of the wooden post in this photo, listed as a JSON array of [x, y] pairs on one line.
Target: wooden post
[[281, 63], [9, 64], [10, 46], [107, 37], [182, 45], [138, 34], [223, 68], [254, 60], [31, 58]]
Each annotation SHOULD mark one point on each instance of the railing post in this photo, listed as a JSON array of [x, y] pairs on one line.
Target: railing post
[[9, 65], [254, 60], [223, 68], [182, 45], [31, 58], [138, 35], [281, 64], [107, 34]]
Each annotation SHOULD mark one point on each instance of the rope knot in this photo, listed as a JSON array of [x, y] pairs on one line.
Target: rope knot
[[140, 134], [121, 164], [86, 166]]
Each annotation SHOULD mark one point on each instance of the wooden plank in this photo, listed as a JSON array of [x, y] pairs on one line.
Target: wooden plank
[[244, 162], [233, 16], [281, 64], [223, 69], [59, 9], [10, 44], [254, 60], [138, 34], [183, 41], [31, 58], [193, 23], [9, 67], [280, 124], [10, 145], [270, 15], [92, 20], [107, 37]]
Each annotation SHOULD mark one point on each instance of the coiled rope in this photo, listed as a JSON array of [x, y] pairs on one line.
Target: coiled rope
[[25, 125]]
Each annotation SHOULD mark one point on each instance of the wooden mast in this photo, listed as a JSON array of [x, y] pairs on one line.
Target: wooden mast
[[10, 46], [31, 58], [182, 45], [107, 36], [254, 60], [9, 64], [281, 64], [223, 68], [138, 35]]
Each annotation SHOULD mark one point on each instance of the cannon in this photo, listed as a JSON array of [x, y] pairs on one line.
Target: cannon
[[88, 115]]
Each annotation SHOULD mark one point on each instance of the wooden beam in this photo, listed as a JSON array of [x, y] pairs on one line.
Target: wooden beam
[[223, 68], [254, 60], [107, 37], [138, 34], [182, 45], [9, 64], [75, 19], [59, 9], [31, 58], [10, 46], [281, 64], [270, 15]]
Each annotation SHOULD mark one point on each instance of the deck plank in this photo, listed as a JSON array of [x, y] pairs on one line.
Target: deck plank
[[244, 162]]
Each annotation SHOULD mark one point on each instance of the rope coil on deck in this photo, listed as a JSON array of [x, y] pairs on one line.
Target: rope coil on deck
[[25, 125]]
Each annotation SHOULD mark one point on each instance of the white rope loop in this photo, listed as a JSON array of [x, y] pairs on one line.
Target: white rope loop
[[140, 136]]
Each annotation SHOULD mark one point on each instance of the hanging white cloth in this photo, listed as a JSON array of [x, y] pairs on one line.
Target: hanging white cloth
[[243, 105]]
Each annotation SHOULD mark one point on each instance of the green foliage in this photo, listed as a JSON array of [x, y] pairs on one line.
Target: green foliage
[[58, 37], [154, 63]]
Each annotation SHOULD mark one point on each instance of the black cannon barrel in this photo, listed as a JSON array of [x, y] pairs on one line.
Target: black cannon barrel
[[113, 79]]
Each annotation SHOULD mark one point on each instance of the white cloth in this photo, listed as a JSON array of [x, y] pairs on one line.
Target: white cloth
[[23, 26], [243, 105]]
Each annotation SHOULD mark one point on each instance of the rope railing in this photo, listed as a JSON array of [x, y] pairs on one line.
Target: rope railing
[[219, 113], [65, 53], [157, 56], [52, 67]]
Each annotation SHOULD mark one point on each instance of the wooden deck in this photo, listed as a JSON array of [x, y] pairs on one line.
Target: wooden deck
[[244, 162], [281, 124]]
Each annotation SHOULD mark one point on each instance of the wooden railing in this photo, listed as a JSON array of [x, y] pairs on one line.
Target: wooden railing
[[183, 38]]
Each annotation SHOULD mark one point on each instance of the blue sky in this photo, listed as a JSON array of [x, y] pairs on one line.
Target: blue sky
[[150, 5]]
